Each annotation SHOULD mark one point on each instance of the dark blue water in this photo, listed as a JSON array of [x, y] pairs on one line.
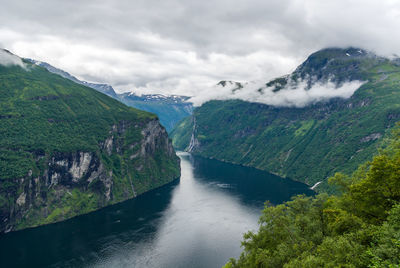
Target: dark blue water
[[197, 221]]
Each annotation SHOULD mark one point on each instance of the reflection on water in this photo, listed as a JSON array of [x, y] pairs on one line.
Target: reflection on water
[[197, 221]]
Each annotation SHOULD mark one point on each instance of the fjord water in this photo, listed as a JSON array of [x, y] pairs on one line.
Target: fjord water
[[197, 221]]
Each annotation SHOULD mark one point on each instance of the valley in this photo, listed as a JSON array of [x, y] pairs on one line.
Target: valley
[[82, 157], [200, 134]]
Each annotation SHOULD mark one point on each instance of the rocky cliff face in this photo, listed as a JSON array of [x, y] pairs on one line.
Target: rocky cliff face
[[73, 183]]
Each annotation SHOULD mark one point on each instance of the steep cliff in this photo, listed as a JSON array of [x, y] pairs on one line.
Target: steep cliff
[[66, 149]]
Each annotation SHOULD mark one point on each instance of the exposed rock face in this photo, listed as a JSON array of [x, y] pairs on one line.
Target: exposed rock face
[[372, 137], [154, 136], [82, 178]]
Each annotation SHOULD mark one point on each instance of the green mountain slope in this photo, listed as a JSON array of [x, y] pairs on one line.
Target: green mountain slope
[[169, 109], [311, 143], [66, 149]]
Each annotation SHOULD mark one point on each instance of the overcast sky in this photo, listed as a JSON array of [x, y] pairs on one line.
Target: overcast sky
[[179, 47]]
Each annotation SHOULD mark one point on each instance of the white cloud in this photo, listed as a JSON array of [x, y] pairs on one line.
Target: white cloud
[[8, 59], [183, 47], [290, 96], [167, 71]]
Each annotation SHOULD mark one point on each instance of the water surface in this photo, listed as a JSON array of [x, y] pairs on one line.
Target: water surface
[[197, 221]]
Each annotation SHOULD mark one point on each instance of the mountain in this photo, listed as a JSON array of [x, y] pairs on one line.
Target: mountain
[[170, 109], [66, 149], [310, 137], [232, 84]]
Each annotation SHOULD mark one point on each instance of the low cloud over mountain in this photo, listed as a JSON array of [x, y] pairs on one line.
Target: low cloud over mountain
[[298, 95], [7, 59]]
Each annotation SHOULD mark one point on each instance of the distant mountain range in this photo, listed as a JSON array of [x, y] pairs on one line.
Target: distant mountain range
[[169, 108]]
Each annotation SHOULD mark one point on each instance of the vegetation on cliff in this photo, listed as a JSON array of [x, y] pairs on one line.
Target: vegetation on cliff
[[359, 228]]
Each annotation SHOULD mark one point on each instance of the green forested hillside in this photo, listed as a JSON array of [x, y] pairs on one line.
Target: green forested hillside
[[359, 228], [66, 149], [169, 109], [43, 112], [310, 143]]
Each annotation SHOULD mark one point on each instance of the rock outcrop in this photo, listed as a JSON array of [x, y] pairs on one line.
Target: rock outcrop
[[82, 178]]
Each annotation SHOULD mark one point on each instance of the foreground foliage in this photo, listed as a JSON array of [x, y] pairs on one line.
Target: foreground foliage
[[359, 228]]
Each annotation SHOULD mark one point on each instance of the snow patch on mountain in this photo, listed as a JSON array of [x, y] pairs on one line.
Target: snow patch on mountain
[[159, 97]]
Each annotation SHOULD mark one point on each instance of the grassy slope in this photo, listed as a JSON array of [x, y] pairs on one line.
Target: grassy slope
[[182, 133], [307, 144]]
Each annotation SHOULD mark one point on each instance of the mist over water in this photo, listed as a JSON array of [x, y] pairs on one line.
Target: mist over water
[[197, 221]]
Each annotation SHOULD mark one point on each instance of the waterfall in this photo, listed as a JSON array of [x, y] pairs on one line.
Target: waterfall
[[194, 143]]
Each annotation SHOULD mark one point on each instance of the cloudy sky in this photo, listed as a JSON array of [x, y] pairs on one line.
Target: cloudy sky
[[182, 46]]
